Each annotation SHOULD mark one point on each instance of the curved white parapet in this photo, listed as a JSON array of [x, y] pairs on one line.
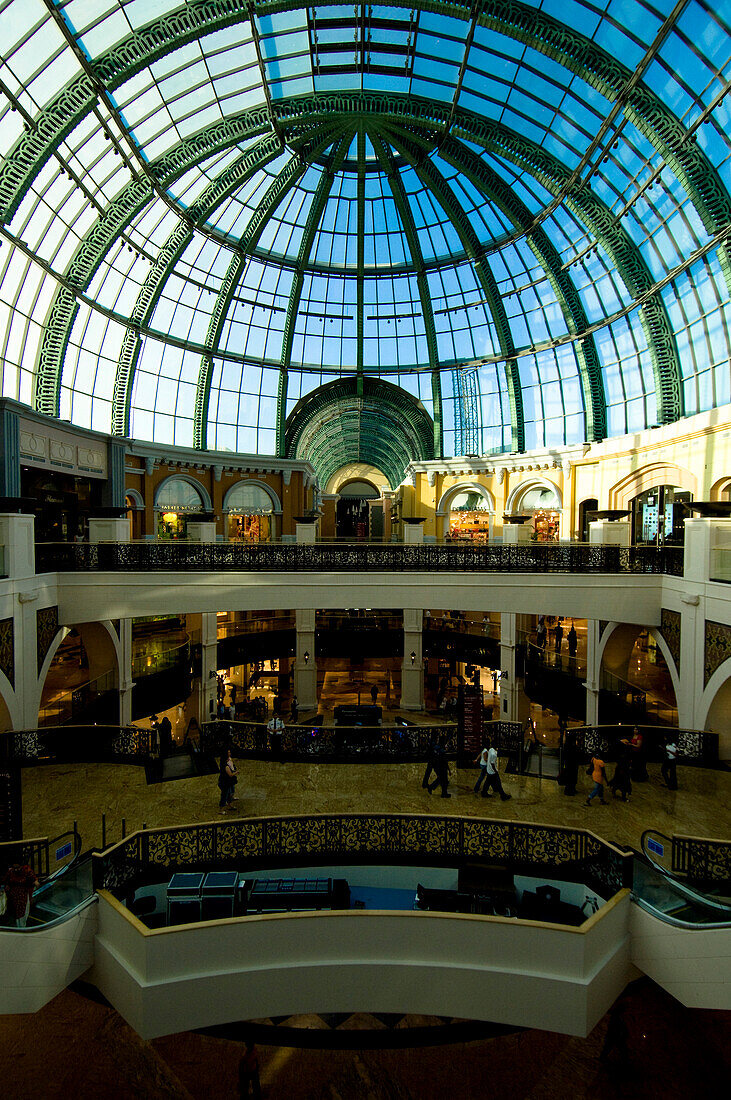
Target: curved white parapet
[[509, 971], [692, 964], [38, 963]]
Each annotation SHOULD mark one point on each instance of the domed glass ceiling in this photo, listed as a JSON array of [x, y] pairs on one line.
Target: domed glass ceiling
[[516, 212]]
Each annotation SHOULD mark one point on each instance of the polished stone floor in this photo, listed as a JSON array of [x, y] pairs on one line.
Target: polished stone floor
[[57, 795]]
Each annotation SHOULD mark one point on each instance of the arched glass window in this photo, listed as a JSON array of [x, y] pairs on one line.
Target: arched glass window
[[249, 500], [539, 499], [470, 501], [178, 495]]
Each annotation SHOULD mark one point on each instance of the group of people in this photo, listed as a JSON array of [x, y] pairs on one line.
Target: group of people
[[631, 765], [489, 778], [572, 639]]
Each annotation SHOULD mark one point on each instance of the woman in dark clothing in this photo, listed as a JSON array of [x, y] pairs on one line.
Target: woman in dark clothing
[[226, 779], [621, 780], [570, 762]]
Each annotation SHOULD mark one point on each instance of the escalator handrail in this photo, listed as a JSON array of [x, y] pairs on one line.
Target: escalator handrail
[[668, 918], [90, 899], [690, 892]]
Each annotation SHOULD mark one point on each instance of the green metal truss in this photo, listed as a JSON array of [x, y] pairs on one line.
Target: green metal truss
[[280, 186], [436, 183], [374, 422], [412, 239], [494, 188]]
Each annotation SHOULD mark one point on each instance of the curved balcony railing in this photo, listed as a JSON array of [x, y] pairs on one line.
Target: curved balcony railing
[[326, 743], [150, 855], [78, 744], [365, 558], [696, 747]]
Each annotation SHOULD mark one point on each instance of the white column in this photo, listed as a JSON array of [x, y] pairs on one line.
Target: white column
[[412, 670], [305, 665], [305, 534], [126, 682], [17, 537], [508, 681], [198, 531], [692, 660], [209, 665], [413, 534], [515, 533], [109, 530], [593, 668], [606, 532]]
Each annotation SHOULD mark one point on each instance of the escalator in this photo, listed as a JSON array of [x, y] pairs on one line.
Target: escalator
[[658, 890]]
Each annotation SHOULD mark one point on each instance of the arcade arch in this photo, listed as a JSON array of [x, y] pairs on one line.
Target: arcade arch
[[626, 666], [463, 502], [82, 665]]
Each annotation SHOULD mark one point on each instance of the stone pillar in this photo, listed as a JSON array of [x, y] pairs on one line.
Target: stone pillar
[[9, 452], [412, 670], [305, 533], [109, 530], [707, 545], [126, 682], [692, 661], [414, 532], [305, 664], [17, 537], [508, 679], [516, 533], [608, 532], [593, 671], [209, 665], [113, 489], [201, 531]]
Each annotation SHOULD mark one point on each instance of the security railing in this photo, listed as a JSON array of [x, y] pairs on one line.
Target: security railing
[[87, 744], [366, 557], [697, 747], [152, 855], [307, 742]]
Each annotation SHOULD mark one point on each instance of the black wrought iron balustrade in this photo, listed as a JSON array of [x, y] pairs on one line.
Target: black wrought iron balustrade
[[413, 839], [87, 744], [307, 742], [696, 747], [355, 557]]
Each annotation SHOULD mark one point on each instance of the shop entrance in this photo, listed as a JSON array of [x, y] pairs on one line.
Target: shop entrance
[[469, 517], [352, 516], [658, 515]]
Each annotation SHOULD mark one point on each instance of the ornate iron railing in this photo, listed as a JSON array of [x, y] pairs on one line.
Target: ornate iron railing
[[53, 744], [325, 743], [697, 747], [703, 862], [154, 854], [356, 557]]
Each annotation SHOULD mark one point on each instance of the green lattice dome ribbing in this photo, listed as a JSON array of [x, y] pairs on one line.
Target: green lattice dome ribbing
[[516, 212]]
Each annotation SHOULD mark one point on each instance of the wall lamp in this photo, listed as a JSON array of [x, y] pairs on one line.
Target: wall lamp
[[413, 656], [306, 656]]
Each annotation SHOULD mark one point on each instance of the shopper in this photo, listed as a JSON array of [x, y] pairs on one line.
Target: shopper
[[669, 764], [596, 770], [622, 778], [441, 767], [638, 757], [227, 780], [482, 761], [249, 1073], [493, 775], [20, 882], [573, 642], [558, 636], [275, 729]]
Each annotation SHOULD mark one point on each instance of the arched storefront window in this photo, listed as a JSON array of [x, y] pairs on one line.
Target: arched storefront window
[[470, 516], [176, 499], [544, 504], [250, 511]]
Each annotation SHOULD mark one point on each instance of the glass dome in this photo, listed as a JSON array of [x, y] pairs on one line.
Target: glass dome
[[517, 212]]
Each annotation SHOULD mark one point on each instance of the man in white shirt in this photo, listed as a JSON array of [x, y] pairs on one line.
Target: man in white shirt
[[669, 764], [492, 775], [275, 729], [482, 761]]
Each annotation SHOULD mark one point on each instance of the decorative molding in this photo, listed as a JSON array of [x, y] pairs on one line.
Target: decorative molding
[[46, 630], [33, 446], [670, 626], [717, 648], [7, 649]]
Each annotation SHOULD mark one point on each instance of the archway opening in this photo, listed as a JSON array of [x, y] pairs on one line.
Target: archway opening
[[470, 516], [250, 513], [543, 503], [719, 719], [353, 509], [176, 500], [635, 683], [81, 682]]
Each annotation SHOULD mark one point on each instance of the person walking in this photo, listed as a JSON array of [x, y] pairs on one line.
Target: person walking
[[430, 760], [492, 774], [441, 767], [573, 642], [596, 769], [227, 780], [249, 1073], [20, 882], [294, 708], [482, 761], [669, 764], [275, 729], [638, 757], [622, 778], [374, 694], [558, 636]]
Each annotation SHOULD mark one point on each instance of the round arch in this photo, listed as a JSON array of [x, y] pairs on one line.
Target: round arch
[[8, 705], [136, 497], [358, 471], [655, 473], [513, 502], [443, 507], [627, 634], [100, 639], [229, 501], [714, 711], [206, 504], [721, 489]]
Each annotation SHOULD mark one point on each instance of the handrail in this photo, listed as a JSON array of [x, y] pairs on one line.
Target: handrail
[[78, 743], [695, 747], [651, 853], [396, 838], [365, 557]]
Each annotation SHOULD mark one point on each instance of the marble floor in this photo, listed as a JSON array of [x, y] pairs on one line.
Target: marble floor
[[57, 795]]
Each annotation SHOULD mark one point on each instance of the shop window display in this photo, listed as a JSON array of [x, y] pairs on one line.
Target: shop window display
[[470, 518], [249, 510]]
